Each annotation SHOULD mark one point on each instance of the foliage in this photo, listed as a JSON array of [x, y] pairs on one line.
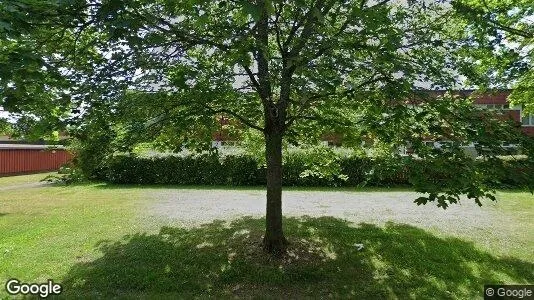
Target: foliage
[[125, 72], [33, 89], [312, 166], [67, 174], [205, 169], [500, 45], [5, 127], [303, 168], [91, 145]]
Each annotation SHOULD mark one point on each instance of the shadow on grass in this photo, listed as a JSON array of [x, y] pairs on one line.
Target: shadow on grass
[[223, 260]]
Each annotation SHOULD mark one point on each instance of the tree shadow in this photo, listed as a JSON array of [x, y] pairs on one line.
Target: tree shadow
[[325, 260]]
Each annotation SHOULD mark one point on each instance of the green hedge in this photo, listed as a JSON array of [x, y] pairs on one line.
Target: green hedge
[[244, 170], [188, 170]]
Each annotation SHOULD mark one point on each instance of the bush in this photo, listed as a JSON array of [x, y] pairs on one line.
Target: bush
[[509, 172], [242, 170], [67, 174], [314, 166], [205, 169], [305, 168]]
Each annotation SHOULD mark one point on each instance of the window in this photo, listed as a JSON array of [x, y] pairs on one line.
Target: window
[[438, 145], [508, 145], [494, 106], [527, 120]]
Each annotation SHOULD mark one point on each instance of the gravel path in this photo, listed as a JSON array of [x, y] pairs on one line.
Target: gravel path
[[194, 207]]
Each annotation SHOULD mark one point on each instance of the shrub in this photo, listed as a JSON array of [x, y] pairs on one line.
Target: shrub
[[205, 169], [315, 167], [67, 174], [242, 170], [509, 172]]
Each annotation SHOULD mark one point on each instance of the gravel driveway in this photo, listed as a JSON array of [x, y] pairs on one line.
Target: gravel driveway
[[189, 207]]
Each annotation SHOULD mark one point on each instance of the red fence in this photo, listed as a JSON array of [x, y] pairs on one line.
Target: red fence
[[16, 161]]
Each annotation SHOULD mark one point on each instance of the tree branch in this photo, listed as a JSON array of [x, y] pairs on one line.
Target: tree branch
[[235, 115], [255, 83]]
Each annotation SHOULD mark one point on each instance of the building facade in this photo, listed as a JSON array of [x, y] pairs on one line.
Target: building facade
[[497, 101]]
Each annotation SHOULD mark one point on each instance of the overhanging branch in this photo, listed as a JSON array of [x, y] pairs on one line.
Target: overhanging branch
[[241, 119]]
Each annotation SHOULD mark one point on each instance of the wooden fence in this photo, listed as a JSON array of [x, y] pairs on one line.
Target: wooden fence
[[20, 159]]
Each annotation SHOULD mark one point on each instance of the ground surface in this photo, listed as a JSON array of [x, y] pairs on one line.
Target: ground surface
[[193, 207], [21, 182], [104, 241]]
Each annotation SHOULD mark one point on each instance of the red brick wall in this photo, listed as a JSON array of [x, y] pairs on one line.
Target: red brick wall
[[513, 114], [493, 98], [528, 130], [502, 98]]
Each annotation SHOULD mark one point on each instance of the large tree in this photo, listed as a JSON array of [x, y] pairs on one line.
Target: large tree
[[284, 68]]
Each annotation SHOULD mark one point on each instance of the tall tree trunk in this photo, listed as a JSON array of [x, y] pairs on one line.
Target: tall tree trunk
[[274, 241]]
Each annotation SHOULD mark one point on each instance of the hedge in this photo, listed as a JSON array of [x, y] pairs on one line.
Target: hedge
[[183, 170], [244, 170]]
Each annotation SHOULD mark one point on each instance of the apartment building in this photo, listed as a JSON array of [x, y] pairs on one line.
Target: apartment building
[[497, 101]]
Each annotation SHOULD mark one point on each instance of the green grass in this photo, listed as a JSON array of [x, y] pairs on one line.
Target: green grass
[[398, 261], [20, 180], [47, 230], [98, 243]]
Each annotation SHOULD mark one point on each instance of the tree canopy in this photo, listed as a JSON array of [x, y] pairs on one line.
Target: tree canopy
[[502, 44], [290, 70]]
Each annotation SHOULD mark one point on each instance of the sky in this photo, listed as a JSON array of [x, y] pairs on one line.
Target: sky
[[3, 114]]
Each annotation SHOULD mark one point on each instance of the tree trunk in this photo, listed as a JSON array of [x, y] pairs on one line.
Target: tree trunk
[[274, 241]]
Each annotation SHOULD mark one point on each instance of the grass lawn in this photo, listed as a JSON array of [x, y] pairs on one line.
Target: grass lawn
[[10, 181], [99, 243]]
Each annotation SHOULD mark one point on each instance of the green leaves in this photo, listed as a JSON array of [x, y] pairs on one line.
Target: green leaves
[[501, 36], [168, 71], [251, 9]]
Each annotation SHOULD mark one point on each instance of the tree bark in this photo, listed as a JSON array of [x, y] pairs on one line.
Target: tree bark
[[274, 241]]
